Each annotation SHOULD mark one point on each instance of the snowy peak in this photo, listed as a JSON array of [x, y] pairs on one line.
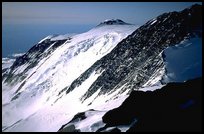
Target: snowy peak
[[113, 22], [37, 79]]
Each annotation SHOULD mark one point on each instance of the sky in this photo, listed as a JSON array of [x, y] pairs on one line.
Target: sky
[[85, 12], [26, 23]]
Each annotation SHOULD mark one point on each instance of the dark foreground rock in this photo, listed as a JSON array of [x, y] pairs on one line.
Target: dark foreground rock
[[70, 128], [175, 107]]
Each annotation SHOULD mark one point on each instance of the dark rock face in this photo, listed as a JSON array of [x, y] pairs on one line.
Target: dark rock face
[[37, 51], [70, 128], [175, 107], [135, 59], [113, 22], [31, 58]]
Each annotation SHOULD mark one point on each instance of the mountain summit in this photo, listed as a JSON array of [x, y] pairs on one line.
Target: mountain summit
[[113, 22]]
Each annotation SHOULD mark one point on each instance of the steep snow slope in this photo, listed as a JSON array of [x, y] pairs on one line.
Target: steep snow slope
[[48, 117], [27, 101]]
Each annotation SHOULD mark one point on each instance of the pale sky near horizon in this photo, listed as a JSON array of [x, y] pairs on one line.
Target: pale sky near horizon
[[85, 12]]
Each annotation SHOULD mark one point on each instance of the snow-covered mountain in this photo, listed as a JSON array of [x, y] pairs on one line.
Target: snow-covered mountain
[[63, 75], [38, 77]]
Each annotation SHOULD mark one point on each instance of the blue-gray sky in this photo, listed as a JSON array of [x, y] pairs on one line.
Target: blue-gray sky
[[85, 12]]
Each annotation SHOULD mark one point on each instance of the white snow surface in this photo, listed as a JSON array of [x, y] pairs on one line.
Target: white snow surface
[[36, 108], [183, 61]]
